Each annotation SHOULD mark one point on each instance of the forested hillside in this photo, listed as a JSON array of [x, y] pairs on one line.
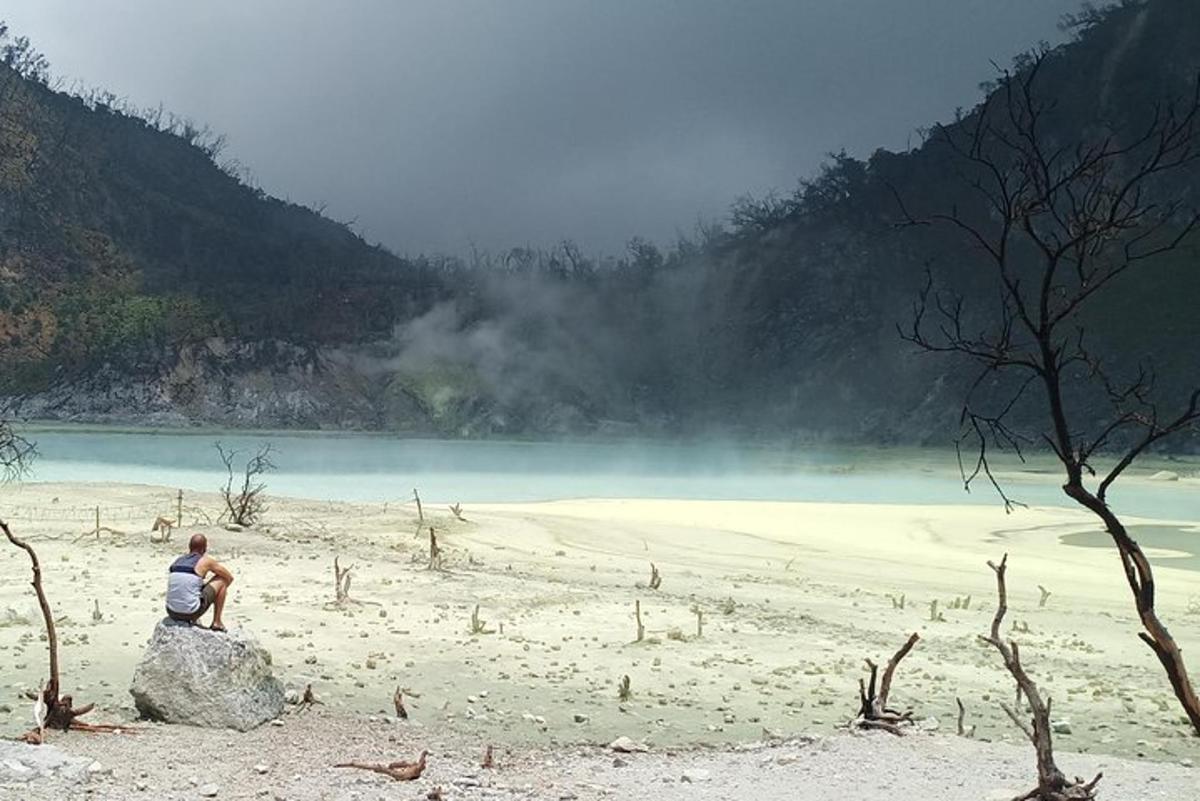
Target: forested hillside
[[142, 281]]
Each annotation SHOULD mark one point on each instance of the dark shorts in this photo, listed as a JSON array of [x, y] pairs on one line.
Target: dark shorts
[[208, 594]]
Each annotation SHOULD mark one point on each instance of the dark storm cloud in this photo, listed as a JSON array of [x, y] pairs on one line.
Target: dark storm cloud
[[442, 123]]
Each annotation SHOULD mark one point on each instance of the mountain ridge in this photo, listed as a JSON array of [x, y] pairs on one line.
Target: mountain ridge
[[140, 282]]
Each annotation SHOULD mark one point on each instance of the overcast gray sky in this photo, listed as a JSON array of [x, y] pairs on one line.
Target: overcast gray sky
[[444, 123]]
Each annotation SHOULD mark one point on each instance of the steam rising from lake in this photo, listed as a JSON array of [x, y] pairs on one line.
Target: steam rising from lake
[[376, 468]]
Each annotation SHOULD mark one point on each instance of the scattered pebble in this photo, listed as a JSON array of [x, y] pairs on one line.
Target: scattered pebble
[[625, 745]]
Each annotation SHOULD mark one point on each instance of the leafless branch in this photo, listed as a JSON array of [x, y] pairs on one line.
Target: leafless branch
[[1057, 224], [245, 505]]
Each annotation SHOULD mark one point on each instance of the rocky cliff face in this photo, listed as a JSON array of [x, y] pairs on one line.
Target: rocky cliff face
[[218, 381], [275, 384]]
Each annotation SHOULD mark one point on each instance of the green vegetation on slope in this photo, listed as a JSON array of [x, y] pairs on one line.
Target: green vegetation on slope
[[122, 243]]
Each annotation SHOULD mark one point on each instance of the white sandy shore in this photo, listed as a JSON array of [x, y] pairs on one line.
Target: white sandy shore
[[794, 597]]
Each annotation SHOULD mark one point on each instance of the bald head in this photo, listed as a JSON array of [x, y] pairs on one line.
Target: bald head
[[198, 543]]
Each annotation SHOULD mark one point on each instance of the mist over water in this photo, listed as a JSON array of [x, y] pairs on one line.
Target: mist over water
[[378, 468]]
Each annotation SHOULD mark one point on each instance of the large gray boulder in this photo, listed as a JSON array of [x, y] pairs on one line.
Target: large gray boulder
[[218, 680]]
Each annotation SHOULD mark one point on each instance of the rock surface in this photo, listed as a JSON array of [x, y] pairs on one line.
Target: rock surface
[[626, 745], [203, 678], [21, 763]]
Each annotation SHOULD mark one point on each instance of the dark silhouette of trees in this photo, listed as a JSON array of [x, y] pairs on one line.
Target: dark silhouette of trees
[[19, 54], [1058, 223], [125, 250]]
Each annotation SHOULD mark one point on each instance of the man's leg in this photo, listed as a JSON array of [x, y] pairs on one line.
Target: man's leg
[[218, 605]]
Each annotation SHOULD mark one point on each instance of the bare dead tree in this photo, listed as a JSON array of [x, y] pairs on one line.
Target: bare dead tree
[[1057, 224], [245, 505], [873, 712], [1052, 784], [59, 710], [655, 577], [16, 453]]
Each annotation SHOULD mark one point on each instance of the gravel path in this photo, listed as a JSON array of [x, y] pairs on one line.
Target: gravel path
[[291, 762]]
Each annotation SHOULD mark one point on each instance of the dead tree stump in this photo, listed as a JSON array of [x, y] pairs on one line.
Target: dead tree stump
[[163, 527], [934, 615], [1052, 784], [420, 509], [309, 699], [963, 730], [478, 624], [435, 552], [398, 702], [341, 583], [53, 711], [873, 712], [400, 771]]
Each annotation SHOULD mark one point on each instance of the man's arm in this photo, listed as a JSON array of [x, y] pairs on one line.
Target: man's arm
[[209, 565]]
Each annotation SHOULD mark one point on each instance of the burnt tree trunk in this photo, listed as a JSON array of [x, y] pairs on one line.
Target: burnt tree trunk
[[1052, 783], [873, 712], [1056, 224], [59, 711], [1141, 583]]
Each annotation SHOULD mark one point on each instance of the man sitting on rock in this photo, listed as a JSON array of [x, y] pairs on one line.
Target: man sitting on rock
[[188, 594]]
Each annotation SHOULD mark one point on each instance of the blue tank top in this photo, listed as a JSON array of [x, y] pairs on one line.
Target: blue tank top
[[183, 585]]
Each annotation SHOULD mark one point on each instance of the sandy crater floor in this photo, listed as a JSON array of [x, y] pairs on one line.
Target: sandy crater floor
[[794, 597]]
